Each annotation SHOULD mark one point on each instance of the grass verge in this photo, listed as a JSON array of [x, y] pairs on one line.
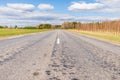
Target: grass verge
[[100, 35], [12, 32]]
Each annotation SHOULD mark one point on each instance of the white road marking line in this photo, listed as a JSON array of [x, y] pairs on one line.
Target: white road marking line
[[58, 40]]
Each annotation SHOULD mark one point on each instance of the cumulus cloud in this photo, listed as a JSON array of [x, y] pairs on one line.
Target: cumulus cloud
[[111, 6], [78, 6], [20, 6], [16, 9], [106, 6], [111, 3], [36, 17], [45, 7], [11, 15]]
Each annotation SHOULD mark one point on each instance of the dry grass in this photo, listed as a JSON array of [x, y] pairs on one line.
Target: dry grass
[[11, 32], [103, 35]]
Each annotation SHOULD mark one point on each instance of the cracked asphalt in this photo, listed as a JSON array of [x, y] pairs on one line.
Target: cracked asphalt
[[58, 55]]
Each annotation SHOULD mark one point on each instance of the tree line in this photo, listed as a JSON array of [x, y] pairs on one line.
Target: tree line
[[106, 26], [40, 26]]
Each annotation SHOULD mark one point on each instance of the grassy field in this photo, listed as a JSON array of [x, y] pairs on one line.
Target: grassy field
[[101, 35], [11, 32]]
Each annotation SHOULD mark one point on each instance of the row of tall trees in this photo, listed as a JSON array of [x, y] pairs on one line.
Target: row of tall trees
[[40, 26], [3, 27], [44, 26], [70, 25], [108, 26], [48, 26]]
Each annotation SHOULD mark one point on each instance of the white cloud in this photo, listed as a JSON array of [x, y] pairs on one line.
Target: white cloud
[[37, 17], [106, 6], [77, 6], [9, 11], [110, 10], [95, 18], [111, 3], [16, 9], [111, 6], [20, 6], [45, 7], [17, 16]]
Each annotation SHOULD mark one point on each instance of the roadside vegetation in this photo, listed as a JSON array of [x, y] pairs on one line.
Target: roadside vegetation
[[100, 35], [11, 32], [109, 30], [16, 30]]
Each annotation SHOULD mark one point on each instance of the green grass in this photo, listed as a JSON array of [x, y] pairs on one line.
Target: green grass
[[101, 35], [11, 32]]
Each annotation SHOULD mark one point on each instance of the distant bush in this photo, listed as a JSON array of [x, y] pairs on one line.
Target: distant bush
[[1, 27], [44, 26], [56, 26], [29, 27]]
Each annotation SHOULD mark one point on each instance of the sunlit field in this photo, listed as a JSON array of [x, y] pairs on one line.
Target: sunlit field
[[11, 32], [102, 35]]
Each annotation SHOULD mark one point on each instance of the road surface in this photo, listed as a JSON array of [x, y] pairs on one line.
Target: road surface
[[58, 55]]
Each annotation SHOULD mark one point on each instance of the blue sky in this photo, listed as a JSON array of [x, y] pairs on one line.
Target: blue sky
[[33, 12]]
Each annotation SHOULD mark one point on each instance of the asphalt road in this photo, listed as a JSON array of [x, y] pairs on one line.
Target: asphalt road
[[58, 55]]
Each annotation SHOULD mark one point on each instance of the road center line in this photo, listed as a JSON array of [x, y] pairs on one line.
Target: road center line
[[58, 40]]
